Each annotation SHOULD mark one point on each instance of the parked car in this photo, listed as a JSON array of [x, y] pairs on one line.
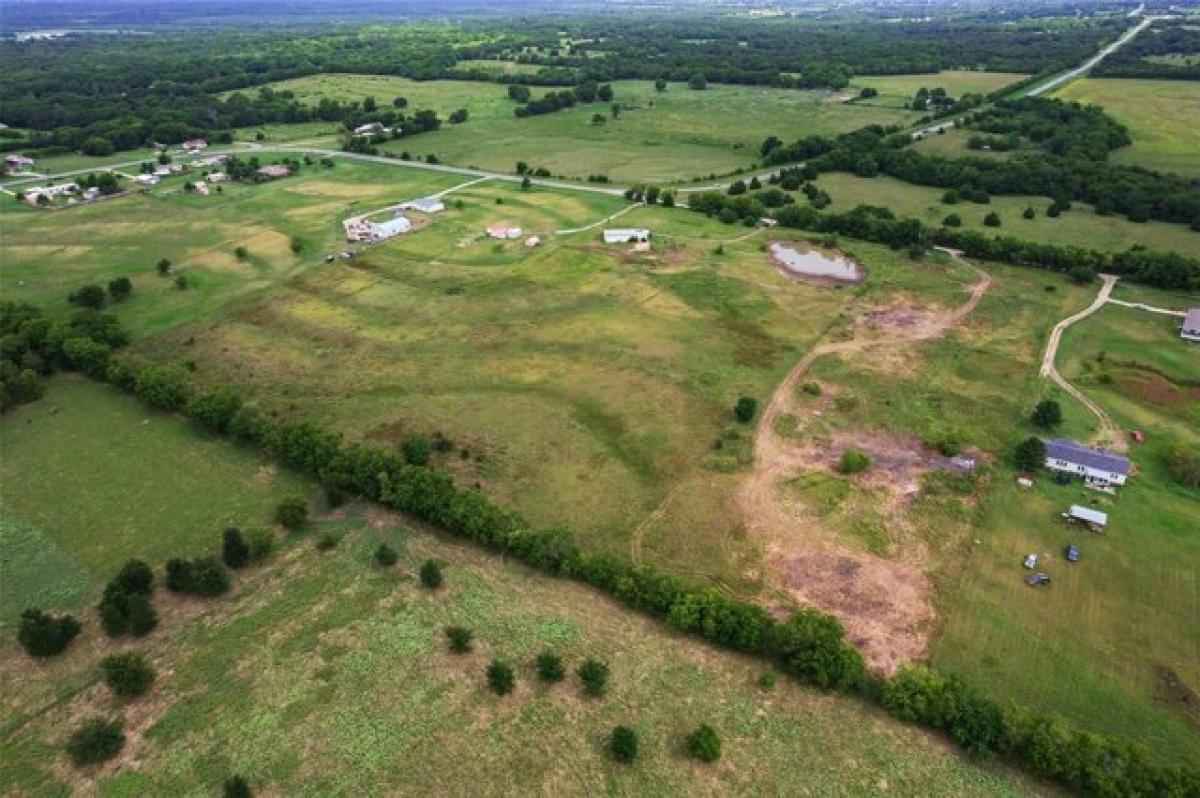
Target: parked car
[[1037, 580], [1072, 553], [1030, 561]]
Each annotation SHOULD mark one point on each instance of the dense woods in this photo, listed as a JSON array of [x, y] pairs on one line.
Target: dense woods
[[1168, 50]]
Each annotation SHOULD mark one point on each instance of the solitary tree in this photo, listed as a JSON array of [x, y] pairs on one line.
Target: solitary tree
[[234, 550], [292, 512], [992, 219], [1030, 454], [593, 675], [745, 409], [44, 635], [97, 740], [236, 787], [128, 675], [623, 744], [385, 555], [431, 574], [660, 85], [698, 82], [459, 639], [1047, 414], [550, 667], [500, 677], [120, 288], [163, 267], [704, 744]]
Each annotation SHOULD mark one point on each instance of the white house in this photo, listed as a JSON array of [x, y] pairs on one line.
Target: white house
[[503, 231], [626, 235], [91, 193], [194, 145], [202, 188], [1097, 467], [1190, 331], [424, 205], [17, 162], [369, 129], [147, 180], [216, 177]]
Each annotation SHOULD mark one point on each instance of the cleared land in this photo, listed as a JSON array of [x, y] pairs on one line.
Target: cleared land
[[896, 90], [321, 673], [669, 136], [1162, 116], [1079, 226], [90, 478]]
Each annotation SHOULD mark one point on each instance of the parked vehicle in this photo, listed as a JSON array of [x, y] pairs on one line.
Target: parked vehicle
[[1072, 553], [1030, 561], [1037, 580]]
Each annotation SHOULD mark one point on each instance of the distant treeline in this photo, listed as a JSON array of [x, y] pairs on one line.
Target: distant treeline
[[1162, 39]]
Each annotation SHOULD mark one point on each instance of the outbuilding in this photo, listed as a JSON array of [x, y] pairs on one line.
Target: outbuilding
[[503, 231], [1190, 331], [1096, 519], [424, 205], [626, 235]]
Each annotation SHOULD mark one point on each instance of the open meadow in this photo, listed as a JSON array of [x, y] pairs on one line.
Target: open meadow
[[896, 91], [323, 673], [1162, 116], [658, 137]]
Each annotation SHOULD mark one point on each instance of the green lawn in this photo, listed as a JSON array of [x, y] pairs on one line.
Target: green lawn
[[89, 478], [1162, 116], [1079, 227], [668, 136], [896, 90]]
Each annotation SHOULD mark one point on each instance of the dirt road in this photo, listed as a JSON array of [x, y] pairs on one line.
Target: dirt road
[[1110, 433], [885, 605]]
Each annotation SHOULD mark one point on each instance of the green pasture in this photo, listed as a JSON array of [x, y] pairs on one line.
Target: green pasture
[[1080, 226], [1162, 116], [896, 90], [663, 137], [90, 478]]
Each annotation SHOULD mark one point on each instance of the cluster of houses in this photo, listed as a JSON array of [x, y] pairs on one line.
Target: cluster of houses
[[34, 195], [194, 146], [362, 229]]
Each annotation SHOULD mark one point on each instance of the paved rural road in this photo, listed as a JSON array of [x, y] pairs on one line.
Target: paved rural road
[[1109, 429], [1059, 80]]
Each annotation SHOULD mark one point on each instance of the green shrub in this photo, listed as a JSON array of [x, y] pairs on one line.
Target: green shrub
[[203, 576], [745, 409], [550, 667], [260, 543], [431, 574], [500, 677], [236, 787], [593, 675], [767, 681], [234, 550], [97, 740], [128, 675], [415, 449], [292, 513], [811, 646], [459, 639], [44, 635], [1183, 464], [853, 462], [385, 555], [327, 541], [126, 613], [164, 387], [623, 744], [704, 744], [134, 577], [334, 498], [811, 388]]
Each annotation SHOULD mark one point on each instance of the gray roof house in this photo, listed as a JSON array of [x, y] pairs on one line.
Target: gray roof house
[[1190, 331], [1096, 466]]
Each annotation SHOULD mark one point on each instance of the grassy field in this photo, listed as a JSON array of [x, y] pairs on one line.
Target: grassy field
[[1162, 116], [668, 136], [322, 674], [1079, 227], [896, 90], [90, 478], [1108, 643]]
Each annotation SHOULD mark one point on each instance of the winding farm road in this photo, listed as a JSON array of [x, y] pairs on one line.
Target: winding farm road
[[1109, 430]]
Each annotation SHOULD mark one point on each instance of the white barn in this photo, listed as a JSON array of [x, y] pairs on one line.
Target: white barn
[[1097, 467], [626, 235]]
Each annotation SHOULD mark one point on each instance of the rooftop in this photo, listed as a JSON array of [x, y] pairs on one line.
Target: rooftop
[[1072, 452], [1088, 514], [1192, 320]]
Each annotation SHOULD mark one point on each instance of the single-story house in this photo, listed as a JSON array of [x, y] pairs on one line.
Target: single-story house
[[626, 235], [532, 241], [162, 171], [147, 180], [17, 162], [369, 129], [1087, 515], [1190, 331], [91, 193], [216, 177], [1097, 467], [273, 171], [202, 188], [195, 145], [504, 231], [424, 205], [212, 160]]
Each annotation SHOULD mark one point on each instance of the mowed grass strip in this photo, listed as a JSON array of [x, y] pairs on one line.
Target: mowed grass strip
[[90, 478]]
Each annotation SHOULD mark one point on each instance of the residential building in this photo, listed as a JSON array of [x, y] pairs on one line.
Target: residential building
[[504, 231], [17, 162], [216, 177], [1190, 331], [369, 129], [626, 235], [147, 180], [273, 171], [1097, 467], [194, 145]]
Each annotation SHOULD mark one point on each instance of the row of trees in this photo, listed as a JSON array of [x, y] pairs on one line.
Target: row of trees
[[586, 92], [808, 645]]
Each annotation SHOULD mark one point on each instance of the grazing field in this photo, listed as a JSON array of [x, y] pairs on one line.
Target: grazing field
[[1162, 117], [668, 136], [90, 478], [897, 90], [1079, 226]]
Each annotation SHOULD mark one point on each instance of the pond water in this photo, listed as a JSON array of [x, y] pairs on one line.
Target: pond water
[[802, 261]]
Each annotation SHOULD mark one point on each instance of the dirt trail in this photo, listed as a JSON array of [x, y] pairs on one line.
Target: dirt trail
[[885, 605], [1110, 434]]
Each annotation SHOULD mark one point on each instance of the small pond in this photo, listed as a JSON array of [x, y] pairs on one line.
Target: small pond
[[799, 260]]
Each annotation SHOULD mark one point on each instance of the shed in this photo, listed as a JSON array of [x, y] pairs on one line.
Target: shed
[[1190, 330], [1087, 515], [424, 205], [626, 235]]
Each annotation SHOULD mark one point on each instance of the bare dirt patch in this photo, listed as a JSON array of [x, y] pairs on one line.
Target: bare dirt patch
[[902, 318]]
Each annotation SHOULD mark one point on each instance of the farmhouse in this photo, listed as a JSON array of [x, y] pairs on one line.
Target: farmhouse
[[194, 145], [273, 171], [147, 180], [1190, 331], [212, 160], [17, 162], [216, 177], [424, 205], [370, 129], [1097, 467], [626, 235], [91, 193], [202, 188], [504, 231]]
